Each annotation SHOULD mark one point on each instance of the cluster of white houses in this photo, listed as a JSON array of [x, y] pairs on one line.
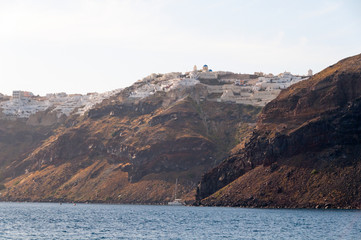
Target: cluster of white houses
[[22, 104], [254, 89]]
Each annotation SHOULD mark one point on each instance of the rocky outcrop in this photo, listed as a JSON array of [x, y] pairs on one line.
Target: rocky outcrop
[[45, 118], [311, 127]]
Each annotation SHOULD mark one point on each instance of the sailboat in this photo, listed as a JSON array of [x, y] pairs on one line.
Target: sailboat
[[177, 201]]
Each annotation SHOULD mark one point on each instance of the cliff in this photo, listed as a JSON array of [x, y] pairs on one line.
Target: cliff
[[17, 140], [127, 150], [304, 152]]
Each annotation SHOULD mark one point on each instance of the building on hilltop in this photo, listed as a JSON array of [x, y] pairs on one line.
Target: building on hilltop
[[309, 73], [56, 95], [194, 74], [227, 96], [269, 75], [205, 68], [207, 73], [285, 74], [239, 82], [22, 95], [281, 81]]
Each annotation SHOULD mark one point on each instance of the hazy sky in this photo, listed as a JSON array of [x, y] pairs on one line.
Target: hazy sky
[[80, 46]]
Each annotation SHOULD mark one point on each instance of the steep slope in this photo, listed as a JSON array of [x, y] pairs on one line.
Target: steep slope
[[305, 151], [17, 140], [131, 150]]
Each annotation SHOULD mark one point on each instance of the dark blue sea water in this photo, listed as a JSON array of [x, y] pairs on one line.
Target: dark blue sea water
[[96, 221]]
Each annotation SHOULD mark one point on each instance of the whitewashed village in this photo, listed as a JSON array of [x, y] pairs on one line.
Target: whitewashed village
[[22, 104], [253, 89]]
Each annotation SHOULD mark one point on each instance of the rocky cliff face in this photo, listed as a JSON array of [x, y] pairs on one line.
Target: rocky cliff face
[[17, 140], [129, 150], [304, 151]]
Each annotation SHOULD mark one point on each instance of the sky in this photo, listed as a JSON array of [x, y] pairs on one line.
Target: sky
[[81, 46]]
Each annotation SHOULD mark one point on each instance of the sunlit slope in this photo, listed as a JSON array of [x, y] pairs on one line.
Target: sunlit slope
[[131, 151]]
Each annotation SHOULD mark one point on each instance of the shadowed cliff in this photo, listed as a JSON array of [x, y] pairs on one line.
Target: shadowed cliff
[[304, 152]]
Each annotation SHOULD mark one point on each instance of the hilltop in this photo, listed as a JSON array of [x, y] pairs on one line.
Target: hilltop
[[252, 89]]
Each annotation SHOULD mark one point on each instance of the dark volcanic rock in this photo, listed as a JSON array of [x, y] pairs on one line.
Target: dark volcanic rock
[[315, 124]]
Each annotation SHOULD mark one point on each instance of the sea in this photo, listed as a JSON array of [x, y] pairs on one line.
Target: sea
[[104, 221]]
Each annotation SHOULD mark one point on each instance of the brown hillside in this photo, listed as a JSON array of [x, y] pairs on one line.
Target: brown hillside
[[130, 151], [17, 140]]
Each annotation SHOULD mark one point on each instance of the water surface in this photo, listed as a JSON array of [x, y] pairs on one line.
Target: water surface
[[101, 221]]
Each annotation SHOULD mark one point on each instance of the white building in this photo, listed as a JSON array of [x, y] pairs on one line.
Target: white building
[[188, 82], [228, 96], [22, 95], [205, 68], [207, 73], [282, 81]]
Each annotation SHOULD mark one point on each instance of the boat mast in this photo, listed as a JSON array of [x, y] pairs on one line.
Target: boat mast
[[175, 190]]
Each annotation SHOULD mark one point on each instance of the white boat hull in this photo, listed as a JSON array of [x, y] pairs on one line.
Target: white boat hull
[[176, 202]]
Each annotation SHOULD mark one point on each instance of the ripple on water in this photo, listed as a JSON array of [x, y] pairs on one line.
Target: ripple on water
[[96, 221]]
